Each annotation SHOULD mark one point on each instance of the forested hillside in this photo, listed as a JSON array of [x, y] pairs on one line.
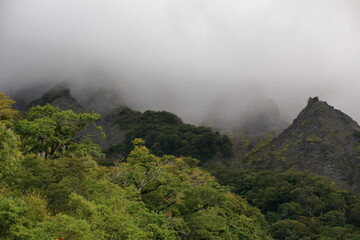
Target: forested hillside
[[297, 205], [57, 183], [165, 133], [179, 119], [51, 187]]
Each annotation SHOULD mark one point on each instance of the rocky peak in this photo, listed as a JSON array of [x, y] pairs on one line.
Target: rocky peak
[[59, 96], [322, 111], [321, 140]]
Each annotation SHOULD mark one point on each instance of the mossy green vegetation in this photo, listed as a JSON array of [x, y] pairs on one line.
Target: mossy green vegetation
[[305, 122], [7, 113], [261, 143], [313, 139]]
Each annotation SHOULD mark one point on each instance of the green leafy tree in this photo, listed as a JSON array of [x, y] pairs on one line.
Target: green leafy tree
[[196, 205], [10, 156], [7, 113], [289, 230], [50, 132], [51, 187], [298, 205]]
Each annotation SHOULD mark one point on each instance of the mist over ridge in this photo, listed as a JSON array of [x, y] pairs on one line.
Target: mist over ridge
[[183, 56]]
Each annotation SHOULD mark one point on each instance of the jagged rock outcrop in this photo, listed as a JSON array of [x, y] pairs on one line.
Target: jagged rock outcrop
[[321, 140], [26, 94], [61, 97]]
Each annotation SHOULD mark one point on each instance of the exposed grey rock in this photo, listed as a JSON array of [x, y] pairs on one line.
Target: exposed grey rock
[[321, 140], [59, 96]]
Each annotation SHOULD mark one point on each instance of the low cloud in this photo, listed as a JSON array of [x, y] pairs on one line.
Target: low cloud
[[183, 55]]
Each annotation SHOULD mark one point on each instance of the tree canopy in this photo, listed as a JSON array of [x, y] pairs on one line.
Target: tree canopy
[[48, 131], [165, 134], [298, 205], [7, 113], [64, 194], [51, 187]]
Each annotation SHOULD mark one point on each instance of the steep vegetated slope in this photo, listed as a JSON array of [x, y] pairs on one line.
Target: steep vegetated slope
[[321, 140], [163, 132], [169, 197]]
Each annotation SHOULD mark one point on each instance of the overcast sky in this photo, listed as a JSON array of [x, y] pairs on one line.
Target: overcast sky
[[181, 55]]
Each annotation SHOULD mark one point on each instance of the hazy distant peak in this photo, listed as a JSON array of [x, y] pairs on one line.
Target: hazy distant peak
[[255, 117]]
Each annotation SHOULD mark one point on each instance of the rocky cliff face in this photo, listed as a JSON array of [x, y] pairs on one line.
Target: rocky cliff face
[[321, 140]]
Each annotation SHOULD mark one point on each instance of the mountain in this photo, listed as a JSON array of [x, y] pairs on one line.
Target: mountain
[[321, 140], [163, 132], [296, 205], [262, 120], [27, 93], [61, 97], [254, 117]]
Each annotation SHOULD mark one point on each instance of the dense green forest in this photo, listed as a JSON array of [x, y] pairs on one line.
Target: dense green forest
[[297, 205], [51, 187], [53, 184], [165, 133]]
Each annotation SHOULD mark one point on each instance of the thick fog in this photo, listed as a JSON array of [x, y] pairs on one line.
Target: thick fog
[[189, 56]]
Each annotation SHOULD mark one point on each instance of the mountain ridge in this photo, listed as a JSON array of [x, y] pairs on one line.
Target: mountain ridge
[[321, 140]]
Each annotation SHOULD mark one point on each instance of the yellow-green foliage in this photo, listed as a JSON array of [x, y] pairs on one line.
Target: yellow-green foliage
[[296, 133], [68, 196], [263, 142], [313, 138], [284, 148], [50, 132], [305, 122], [6, 112], [244, 140]]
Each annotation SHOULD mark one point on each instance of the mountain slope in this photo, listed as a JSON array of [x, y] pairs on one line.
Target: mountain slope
[[164, 132], [321, 140], [59, 96]]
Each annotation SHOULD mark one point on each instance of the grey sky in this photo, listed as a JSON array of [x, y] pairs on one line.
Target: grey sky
[[180, 55]]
